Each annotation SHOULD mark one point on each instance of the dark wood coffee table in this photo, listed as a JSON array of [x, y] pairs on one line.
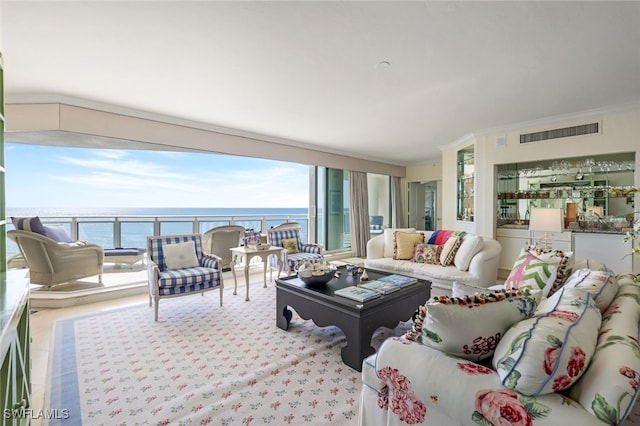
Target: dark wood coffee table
[[357, 320]]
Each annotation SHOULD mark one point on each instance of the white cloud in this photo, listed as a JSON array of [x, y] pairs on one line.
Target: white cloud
[[115, 177]]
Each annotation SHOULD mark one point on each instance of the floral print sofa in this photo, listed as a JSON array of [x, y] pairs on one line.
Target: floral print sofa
[[572, 358]]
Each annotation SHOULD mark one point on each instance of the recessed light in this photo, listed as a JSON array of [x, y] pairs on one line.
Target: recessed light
[[383, 64]]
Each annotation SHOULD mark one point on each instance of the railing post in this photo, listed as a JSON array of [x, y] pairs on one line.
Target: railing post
[[156, 227], [117, 233], [74, 229]]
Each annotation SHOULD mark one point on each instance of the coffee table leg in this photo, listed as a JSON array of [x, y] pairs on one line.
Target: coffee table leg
[[358, 347], [284, 319]]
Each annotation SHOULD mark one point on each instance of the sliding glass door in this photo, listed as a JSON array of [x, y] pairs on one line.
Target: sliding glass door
[[333, 190]]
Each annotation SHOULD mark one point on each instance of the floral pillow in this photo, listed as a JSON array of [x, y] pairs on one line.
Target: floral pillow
[[427, 253], [472, 326], [602, 285], [550, 351], [529, 271], [609, 389], [594, 265]]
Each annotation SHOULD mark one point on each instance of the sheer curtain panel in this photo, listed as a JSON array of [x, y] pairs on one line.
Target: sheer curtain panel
[[359, 213], [396, 195]]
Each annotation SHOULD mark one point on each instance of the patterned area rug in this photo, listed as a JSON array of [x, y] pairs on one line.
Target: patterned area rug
[[202, 364]]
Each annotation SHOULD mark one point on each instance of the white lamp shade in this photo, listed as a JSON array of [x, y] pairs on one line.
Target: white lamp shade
[[546, 220]]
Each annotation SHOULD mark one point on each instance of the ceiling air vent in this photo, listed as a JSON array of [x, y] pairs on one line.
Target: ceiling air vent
[[583, 129]]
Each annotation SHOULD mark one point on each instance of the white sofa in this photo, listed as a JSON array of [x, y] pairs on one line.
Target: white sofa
[[482, 270], [410, 381]]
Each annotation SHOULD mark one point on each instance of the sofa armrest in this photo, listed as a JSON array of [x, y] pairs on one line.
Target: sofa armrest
[[211, 261], [311, 248], [466, 392], [153, 274], [484, 264], [375, 247]]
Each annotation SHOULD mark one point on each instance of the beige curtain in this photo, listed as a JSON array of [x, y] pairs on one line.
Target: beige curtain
[[359, 213], [396, 202]]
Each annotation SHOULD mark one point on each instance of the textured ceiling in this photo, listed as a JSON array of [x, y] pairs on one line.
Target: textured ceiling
[[310, 73]]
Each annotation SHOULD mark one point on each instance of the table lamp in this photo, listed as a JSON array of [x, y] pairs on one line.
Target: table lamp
[[547, 221]]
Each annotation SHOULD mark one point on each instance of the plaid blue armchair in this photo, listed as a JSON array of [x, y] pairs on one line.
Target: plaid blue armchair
[[305, 252], [177, 266]]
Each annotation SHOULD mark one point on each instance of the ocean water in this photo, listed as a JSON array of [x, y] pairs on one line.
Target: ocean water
[[96, 225]]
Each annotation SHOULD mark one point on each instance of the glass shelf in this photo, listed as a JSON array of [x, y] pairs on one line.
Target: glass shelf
[[603, 184], [466, 184]]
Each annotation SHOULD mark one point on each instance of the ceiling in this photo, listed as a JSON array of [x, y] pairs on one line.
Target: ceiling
[[389, 81]]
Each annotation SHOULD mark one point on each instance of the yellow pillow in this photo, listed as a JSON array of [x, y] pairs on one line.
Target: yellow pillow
[[291, 244], [406, 244]]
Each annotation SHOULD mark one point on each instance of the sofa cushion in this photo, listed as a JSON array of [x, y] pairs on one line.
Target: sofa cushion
[[549, 352], [602, 285], [32, 224], [427, 253], [609, 387], [471, 245], [449, 250], [471, 327], [405, 244], [529, 271], [180, 255], [389, 240], [563, 260], [434, 273], [197, 276]]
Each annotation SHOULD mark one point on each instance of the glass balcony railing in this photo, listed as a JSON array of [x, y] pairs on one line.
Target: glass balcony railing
[[132, 231]]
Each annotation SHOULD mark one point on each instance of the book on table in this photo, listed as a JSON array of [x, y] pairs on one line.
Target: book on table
[[380, 286], [357, 293], [398, 280]]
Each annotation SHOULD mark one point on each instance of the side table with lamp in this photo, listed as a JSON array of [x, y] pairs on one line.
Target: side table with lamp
[[546, 220]]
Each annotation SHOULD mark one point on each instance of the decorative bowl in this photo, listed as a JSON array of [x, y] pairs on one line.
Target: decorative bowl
[[316, 275]]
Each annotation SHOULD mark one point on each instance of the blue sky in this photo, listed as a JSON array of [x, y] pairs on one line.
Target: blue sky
[[46, 176]]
